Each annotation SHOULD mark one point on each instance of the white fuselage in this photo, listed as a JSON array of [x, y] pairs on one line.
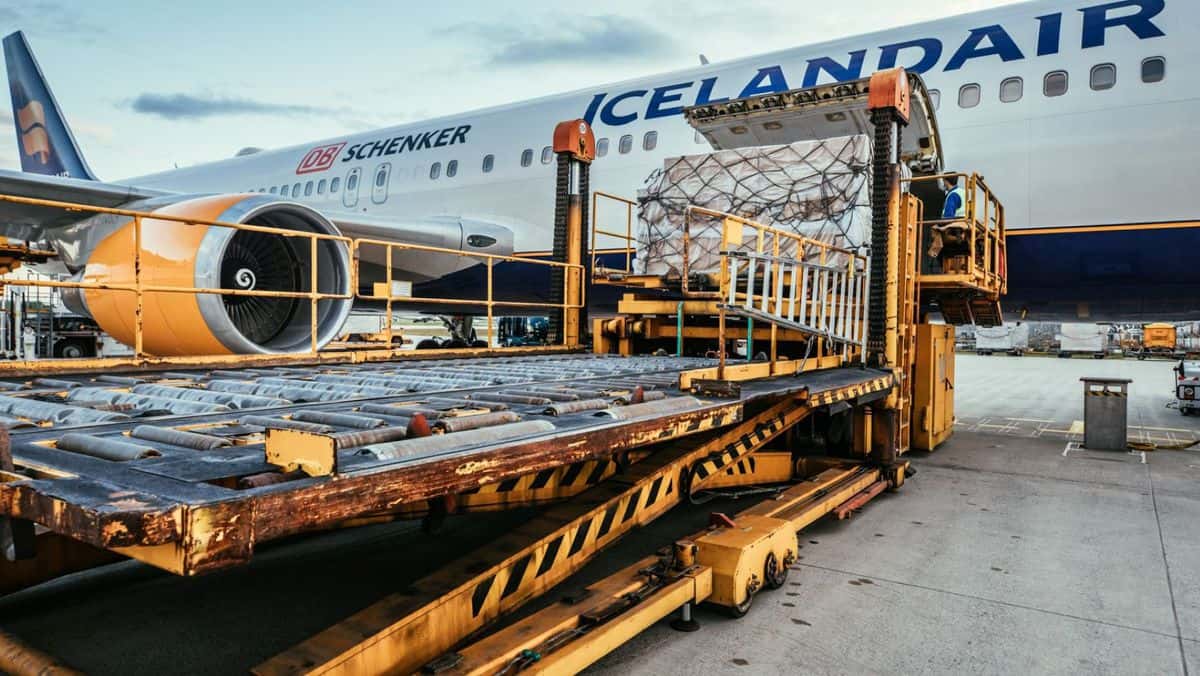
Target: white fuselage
[[1091, 156]]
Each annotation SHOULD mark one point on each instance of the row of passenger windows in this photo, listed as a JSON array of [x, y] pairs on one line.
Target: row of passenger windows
[[311, 187], [1055, 83], [624, 147]]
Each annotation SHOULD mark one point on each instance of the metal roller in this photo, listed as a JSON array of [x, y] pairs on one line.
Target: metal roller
[[661, 407], [471, 422], [505, 398], [229, 399], [281, 424], [457, 441], [403, 411], [449, 403], [192, 440], [119, 380], [13, 423], [104, 447], [363, 437], [339, 419], [56, 383], [144, 403], [567, 407], [552, 395], [652, 395], [44, 411]]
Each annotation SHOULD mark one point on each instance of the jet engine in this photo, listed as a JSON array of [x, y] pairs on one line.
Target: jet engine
[[181, 255]]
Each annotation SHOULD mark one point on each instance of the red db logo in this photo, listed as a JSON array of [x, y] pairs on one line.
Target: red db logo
[[319, 158]]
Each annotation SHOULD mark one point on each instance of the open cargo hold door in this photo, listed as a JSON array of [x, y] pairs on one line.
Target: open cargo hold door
[[816, 113]]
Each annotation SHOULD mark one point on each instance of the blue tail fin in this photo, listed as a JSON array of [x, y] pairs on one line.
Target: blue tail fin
[[43, 137]]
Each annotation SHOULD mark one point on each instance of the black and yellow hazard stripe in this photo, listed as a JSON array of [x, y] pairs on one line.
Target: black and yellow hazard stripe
[[851, 392]]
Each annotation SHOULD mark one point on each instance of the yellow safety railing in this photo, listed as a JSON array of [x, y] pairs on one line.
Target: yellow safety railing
[[599, 199], [574, 294], [572, 278], [140, 288], [790, 281], [981, 230]]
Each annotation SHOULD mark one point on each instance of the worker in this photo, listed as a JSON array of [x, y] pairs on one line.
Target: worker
[[951, 231], [956, 199]]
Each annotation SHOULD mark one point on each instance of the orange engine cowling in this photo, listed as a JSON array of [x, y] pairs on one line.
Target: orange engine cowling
[[180, 255]]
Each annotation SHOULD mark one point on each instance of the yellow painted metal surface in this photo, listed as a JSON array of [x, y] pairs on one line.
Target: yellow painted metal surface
[[933, 387], [1158, 336], [291, 450], [738, 555]]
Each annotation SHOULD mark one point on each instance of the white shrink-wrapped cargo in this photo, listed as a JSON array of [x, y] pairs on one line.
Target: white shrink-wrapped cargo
[[1012, 338], [819, 189]]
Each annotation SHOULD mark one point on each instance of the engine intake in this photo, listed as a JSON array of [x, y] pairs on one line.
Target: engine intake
[[180, 255]]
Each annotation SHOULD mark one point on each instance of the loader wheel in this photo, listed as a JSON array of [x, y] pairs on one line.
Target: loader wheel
[[742, 608], [774, 573]]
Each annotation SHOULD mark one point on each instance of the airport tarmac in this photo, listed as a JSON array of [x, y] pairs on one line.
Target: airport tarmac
[[1001, 555]]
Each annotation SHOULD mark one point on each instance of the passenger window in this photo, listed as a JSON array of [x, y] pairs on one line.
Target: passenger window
[[650, 140], [1154, 69], [435, 170], [1012, 89], [274, 190], [626, 144], [547, 154], [308, 188], [296, 190], [283, 190], [380, 178], [489, 161], [1104, 76], [935, 97], [527, 157], [602, 147], [968, 96], [1055, 83], [321, 187], [335, 184], [451, 168]]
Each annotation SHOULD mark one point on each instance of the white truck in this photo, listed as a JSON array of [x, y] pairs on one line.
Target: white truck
[[1187, 386], [1011, 338], [1076, 339]]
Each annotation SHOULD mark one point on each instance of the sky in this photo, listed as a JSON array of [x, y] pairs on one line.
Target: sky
[[149, 85]]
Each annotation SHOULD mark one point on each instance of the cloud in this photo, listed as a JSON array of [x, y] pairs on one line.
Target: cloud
[[50, 17], [568, 40], [193, 107]]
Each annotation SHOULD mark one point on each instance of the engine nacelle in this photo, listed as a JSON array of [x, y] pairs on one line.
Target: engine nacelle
[[179, 255]]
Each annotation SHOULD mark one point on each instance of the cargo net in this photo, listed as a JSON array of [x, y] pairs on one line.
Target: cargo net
[[818, 189]]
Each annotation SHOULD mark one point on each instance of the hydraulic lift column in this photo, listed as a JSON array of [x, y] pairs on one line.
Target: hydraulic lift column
[[575, 147], [889, 104]]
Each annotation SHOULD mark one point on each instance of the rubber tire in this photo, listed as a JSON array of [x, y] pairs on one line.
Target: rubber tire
[[73, 349], [428, 344], [739, 611], [780, 578]]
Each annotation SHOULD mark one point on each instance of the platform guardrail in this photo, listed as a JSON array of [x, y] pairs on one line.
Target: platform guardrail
[[979, 234]]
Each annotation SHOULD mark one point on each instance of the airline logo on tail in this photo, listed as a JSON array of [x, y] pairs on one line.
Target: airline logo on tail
[[31, 120]]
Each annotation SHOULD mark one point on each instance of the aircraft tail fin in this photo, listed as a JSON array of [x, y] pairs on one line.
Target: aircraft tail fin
[[44, 140]]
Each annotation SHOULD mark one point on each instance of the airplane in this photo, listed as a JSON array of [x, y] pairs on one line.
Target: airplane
[[1073, 110]]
